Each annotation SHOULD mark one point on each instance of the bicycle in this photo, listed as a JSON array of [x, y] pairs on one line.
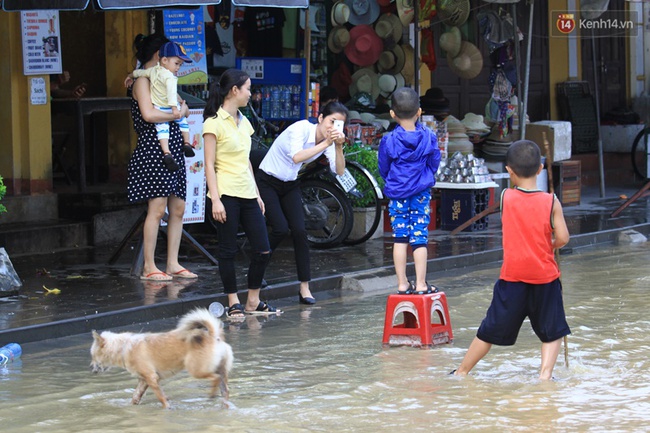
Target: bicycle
[[639, 153]]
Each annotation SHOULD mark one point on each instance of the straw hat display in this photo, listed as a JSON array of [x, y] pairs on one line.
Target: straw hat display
[[338, 38], [364, 47], [340, 14], [458, 139], [371, 119], [389, 28], [409, 68], [362, 11], [391, 61], [468, 63], [365, 80], [450, 41], [389, 83], [405, 11]]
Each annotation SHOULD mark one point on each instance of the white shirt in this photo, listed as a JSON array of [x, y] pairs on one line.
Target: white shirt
[[278, 161]]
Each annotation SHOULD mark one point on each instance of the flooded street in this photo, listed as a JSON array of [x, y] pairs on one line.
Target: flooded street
[[324, 369]]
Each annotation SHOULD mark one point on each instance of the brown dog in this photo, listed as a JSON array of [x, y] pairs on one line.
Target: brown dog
[[196, 345]]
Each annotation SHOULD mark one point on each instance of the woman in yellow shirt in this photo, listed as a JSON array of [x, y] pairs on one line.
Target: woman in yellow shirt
[[232, 189]]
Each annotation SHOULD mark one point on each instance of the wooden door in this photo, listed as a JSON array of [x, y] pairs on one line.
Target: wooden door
[[609, 65]]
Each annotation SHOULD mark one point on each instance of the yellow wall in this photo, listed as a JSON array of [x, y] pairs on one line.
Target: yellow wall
[[559, 55], [121, 29], [26, 144]]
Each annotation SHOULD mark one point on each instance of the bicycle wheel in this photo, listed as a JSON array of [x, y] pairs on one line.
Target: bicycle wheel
[[366, 199], [640, 153], [328, 214]]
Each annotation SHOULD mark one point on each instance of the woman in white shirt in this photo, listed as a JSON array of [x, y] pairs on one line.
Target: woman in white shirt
[[277, 181]]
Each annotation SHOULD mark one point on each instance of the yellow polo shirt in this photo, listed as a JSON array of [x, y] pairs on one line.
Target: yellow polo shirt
[[234, 177]]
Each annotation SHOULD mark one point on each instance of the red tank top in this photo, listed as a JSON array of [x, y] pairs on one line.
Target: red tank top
[[526, 218]]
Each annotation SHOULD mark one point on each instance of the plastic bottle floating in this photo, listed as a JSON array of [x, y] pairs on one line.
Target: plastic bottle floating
[[10, 353]]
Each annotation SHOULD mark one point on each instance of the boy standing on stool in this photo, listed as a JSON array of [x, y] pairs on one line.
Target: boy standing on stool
[[408, 162], [529, 284]]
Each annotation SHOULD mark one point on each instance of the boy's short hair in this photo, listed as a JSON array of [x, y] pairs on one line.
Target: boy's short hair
[[524, 157], [405, 103]]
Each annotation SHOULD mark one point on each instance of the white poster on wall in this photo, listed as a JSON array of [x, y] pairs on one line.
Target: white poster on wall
[[41, 42]]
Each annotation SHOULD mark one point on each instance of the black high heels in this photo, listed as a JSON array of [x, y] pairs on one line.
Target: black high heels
[[306, 300]]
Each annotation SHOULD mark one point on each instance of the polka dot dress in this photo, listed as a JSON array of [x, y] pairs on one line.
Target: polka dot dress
[[147, 175]]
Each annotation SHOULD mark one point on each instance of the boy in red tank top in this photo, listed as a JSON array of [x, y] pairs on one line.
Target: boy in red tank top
[[529, 285]]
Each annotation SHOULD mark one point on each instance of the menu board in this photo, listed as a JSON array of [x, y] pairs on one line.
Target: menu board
[[41, 42], [195, 166], [187, 28]]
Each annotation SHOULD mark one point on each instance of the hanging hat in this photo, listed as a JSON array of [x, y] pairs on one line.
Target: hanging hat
[[405, 11], [450, 41], [338, 39], [391, 61], [468, 63], [389, 83], [365, 80], [340, 14], [408, 71], [363, 11], [364, 47], [389, 28]]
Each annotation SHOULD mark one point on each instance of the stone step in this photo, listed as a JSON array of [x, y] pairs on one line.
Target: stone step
[[44, 236]]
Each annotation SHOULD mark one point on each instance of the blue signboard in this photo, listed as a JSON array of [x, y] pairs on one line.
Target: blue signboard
[[187, 28]]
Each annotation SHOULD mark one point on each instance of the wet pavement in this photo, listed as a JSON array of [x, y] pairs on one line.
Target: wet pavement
[[97, 295]]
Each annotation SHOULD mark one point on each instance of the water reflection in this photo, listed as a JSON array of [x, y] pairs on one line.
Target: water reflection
[[323, 368]]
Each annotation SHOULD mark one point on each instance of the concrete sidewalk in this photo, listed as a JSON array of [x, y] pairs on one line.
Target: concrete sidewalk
[[95, 295]]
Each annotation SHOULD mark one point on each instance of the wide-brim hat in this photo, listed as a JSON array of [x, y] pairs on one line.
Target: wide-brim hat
[[434, 97], [338, 38], [365, 80], [474, 122], [363, 11], [371, 119], [354, 117], [468, 63], [341, 80], [389, 83], [364, 47], [408, 71], [405, 11], [340, 14], [450, 41], [391, 61], [389, 28]]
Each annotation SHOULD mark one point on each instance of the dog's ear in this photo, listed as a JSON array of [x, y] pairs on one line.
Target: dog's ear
[[98, 338]]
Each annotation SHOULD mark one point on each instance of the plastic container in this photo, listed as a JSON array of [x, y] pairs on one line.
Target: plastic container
[[216, 309], [10, 353]]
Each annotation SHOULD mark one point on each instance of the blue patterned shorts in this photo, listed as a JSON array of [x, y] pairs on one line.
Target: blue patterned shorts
[[409, 218]]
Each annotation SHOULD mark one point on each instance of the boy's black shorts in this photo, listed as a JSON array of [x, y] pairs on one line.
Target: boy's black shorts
[[512, 302]]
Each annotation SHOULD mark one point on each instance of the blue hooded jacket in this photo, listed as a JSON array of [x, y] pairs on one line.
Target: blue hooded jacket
[[408, 161]]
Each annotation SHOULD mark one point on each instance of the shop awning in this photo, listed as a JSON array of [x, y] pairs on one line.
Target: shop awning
[[68, 5]]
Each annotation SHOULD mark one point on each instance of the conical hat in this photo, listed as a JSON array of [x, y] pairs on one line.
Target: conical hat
[[450, 41], [468, 63]]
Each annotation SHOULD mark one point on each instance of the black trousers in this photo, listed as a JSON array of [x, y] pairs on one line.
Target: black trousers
[[284, 213], [247, 213]]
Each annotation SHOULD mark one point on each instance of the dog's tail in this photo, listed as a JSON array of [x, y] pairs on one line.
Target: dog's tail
[[198, 324]]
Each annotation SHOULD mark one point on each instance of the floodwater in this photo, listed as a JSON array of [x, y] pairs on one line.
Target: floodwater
[[324, 369]]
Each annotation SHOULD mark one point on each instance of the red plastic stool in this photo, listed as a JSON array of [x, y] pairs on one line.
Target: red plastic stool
[[420, 327]]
